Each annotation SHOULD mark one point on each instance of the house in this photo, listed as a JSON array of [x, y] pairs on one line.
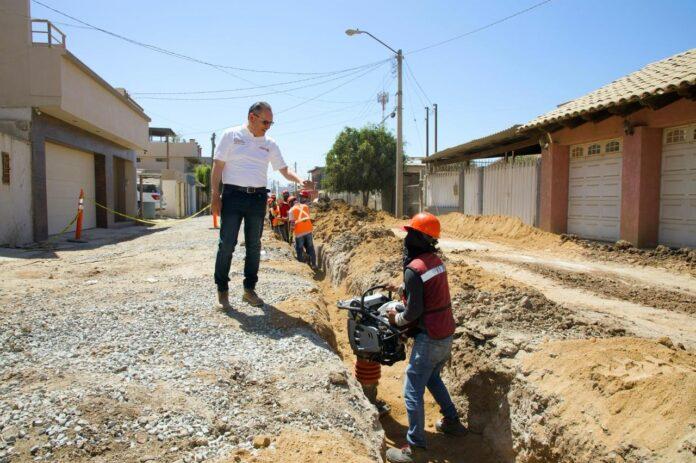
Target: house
[[617, 163], [174, 160], [620, 162], [62, 129]]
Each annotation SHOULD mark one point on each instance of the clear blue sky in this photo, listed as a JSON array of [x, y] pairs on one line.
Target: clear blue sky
[[482, 83]]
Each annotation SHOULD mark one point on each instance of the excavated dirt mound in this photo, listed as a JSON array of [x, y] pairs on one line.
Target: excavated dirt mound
[[498, 228], [523, 368], [633, 397]]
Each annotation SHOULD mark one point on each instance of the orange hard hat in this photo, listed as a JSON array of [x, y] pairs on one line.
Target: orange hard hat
[[425, 223]]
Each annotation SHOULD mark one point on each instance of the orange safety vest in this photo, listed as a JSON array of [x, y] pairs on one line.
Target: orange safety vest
[[276, 216], [299, 213]]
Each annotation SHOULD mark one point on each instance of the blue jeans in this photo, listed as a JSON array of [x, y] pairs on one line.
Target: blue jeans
[[238, 206], [428, 356], [305, 242]]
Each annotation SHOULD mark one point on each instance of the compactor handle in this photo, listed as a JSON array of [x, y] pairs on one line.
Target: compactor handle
[[370, 290]]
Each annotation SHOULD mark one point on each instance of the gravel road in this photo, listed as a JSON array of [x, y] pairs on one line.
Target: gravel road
[[117, 352]]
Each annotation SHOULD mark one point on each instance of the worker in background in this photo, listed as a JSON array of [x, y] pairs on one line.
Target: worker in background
[[428, 314], [276, 220], [270, 204], [302, 229], [284, 207]]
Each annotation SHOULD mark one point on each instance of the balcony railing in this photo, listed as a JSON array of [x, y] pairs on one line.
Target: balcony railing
[[44, 32]]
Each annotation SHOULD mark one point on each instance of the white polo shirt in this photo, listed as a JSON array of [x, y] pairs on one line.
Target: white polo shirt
[[246, 157]]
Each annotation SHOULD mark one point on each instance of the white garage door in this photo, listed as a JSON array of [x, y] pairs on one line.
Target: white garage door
[[68, 170], [678, 187], [594, 190]]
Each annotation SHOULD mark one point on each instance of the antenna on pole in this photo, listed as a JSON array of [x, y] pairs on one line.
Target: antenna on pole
[[383, 99]]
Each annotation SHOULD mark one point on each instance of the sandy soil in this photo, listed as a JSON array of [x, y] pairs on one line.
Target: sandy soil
[[515, 289]]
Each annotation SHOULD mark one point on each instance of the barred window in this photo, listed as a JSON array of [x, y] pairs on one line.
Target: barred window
[[594, 149], [612, 147], [576, 152], [5, 168], [676, 136], [161, 159], [138, 160]]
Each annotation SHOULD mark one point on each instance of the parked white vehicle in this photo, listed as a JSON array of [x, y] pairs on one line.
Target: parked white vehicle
[[151, 194]]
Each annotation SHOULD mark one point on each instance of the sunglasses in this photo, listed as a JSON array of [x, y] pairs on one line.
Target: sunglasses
[[264, 121]]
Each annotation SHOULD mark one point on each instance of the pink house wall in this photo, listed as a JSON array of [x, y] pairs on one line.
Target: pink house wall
[[640, 180]]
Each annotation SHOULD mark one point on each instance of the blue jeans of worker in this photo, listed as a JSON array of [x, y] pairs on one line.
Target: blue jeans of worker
[[306, 242], [238, 207], [428, 356]]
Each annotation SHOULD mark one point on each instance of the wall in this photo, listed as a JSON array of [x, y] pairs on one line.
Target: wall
[[88, 100], [442, 191], [15, 198]]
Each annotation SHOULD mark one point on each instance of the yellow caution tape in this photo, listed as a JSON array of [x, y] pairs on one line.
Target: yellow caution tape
[[149, 222], [57, 235]]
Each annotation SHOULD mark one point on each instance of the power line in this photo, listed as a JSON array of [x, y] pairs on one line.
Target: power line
[[203, 92], [415, 122], [236, 97], [478, 29], [410, 71], [181, 55]]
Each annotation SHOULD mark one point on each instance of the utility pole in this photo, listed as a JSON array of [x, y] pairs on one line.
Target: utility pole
[[427, 131], [167, 152], [399, 180], [212, 145], [435, 114], [399, 200], [295, 183]]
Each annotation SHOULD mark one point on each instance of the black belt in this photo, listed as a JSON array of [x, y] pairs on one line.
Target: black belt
[[247, 189]]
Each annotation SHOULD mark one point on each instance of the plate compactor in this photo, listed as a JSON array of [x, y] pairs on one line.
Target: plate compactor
[[375, 342]]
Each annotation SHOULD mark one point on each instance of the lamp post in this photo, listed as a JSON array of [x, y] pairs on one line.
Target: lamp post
[[399, 194]]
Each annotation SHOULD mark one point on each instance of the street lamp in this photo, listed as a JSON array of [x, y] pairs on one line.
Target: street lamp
[[399, 199]]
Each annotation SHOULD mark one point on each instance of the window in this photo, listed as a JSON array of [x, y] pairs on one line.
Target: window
[[594, 149], [676, 136], [161, 159], [138, 160], [612, 147], [576, 152], [6, 168]]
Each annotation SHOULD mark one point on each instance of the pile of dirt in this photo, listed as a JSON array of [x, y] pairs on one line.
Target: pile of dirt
[[622, 395], [497, 228], [679, 259], [523, 397]]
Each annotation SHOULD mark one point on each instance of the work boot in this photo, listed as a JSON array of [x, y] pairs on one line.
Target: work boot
[[451, 427], [251, 298], [224, 300], [406, 454]]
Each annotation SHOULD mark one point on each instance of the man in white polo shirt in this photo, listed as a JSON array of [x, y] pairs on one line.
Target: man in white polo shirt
[[241, 164]]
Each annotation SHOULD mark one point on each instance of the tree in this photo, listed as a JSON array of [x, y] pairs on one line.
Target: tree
[[361, 161], [202, 174]]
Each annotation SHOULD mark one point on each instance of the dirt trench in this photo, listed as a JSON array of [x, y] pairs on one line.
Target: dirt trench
[[510, 374]]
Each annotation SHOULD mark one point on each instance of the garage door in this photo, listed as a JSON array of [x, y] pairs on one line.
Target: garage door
[[594, 190], [678, 187], [68, 170]]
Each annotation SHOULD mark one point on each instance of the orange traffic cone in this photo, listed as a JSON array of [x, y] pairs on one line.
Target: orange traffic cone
[[215, 221], [80, 212]]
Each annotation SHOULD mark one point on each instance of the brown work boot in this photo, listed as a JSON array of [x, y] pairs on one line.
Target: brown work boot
[[224, 300], [451, 427], [251, 298]]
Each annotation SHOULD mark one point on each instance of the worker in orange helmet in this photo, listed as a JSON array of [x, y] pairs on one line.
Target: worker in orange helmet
[[429, 319], [301, 223], [283, 208]]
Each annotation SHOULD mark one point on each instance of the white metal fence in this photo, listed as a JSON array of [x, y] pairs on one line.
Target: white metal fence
[[502, 188], [442, 190]]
